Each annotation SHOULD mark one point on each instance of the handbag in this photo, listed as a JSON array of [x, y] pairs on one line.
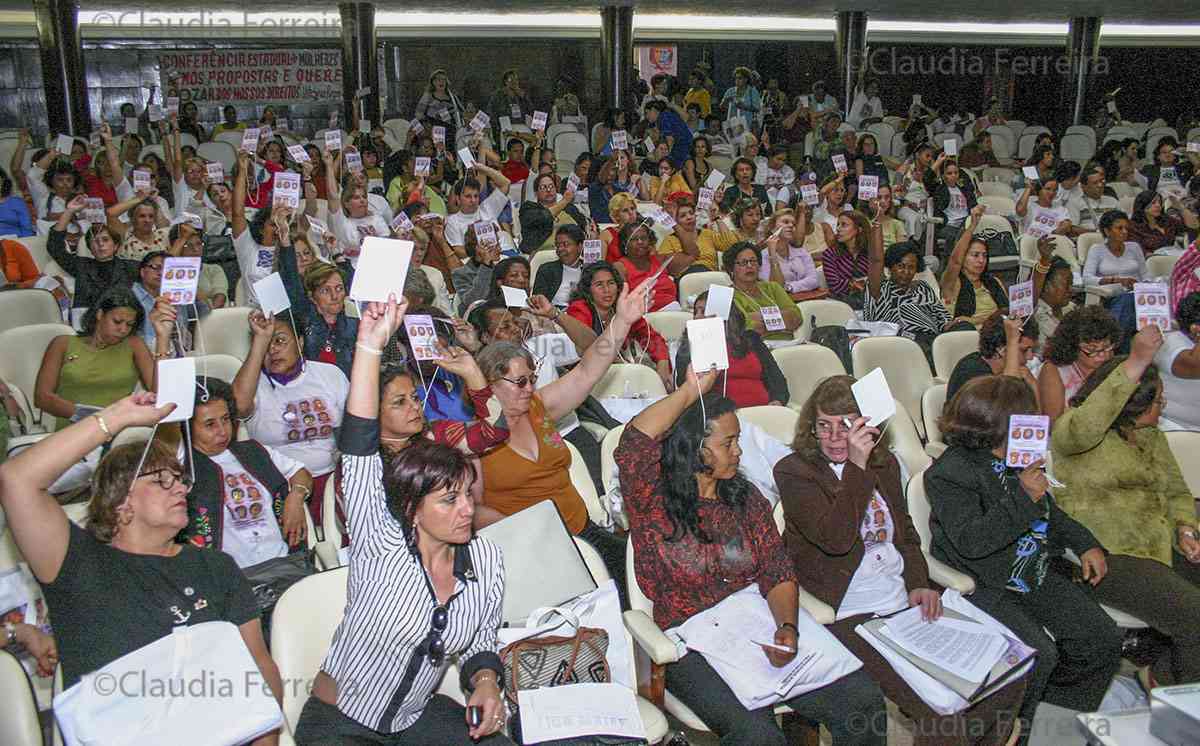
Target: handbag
[[269, 580], [196, 677]]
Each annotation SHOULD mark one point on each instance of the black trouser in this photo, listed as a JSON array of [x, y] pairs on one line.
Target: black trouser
[[589, 448], [1166, 598], [443, 722], [852, 708], [1073, 669], [611, 549]]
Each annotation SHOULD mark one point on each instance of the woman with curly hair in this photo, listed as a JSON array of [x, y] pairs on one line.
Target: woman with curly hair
[[1084, 340], [700, 532], [1117, 465]]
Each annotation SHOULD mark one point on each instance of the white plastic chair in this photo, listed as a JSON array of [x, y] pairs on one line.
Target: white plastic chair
[[1161, 265], [670, 324], [226, 331], [698, 282], [919, 510], [26, 306], [21, 358], [232, 139], [218, 365], [995, 189], [156, 149], [1084, 244], [990, 224], [1004, 142], [20, 725], [581, 480], [1076, 147], [36, 246], [805, 366], [1027, 247], [827, 312], [778, 422], [939, 139], [568, 145], [903, 364], [933, 401], [1185, 446], [537, 260], [626, 379], [220, 152], [949, 348]]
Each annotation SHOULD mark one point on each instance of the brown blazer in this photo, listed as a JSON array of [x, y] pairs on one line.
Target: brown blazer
[[823, 515]]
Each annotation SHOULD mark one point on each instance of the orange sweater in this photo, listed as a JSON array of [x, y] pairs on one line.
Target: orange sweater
[[19, 266]]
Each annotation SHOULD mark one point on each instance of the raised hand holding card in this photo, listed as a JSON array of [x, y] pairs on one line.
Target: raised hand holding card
[[706, 340], [422, 337], [382, 269], [1028, 439], [177, 385], [181, 275], [874, 397], [272, 295], [515, 297], [720, 299]]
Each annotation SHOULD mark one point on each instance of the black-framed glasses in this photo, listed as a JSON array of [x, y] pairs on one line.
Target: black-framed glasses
[[168, 481], [521, 382], [435, 646]]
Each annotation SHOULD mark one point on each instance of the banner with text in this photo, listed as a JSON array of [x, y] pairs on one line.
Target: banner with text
[[268, 76]]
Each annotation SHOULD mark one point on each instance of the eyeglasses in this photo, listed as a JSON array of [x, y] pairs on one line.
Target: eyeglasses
[[521, 382], [327, 291], [168, 481], [1097, 352], [746, 263], [154, 267], [435, 647], [825, 431]]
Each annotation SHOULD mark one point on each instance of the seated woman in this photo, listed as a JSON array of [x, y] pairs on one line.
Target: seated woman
[[288, 403], [350, 216], [753, 378], [1083, 341], [702, 531], [854, 546], [1178, 362], [595, 306], [557, 280], [83, 373], [540, 219], [894, 229], [533, 465], [953, 195], [1001, 526], [105, 585], [743, 187], [439, 586], [1117, 261], [1123, 483], [146, 230], [669, 181], [847, 263], [812, 236], [833, 204], [1052, 280], [14, 213], [689, 248], [784, 262], [1185, 277], [1152, 228], [697, 168], [639, 262], [623, 210], [766, 305], [258, 491], [1044, 216], [318, 298], [1005, 348], [1166, 172], [901, 298], [969, 290]]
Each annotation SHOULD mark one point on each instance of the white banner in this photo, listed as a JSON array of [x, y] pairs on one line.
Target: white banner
[[252, 76]]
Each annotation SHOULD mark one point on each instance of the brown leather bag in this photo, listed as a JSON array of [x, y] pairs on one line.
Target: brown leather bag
[[554, 661]]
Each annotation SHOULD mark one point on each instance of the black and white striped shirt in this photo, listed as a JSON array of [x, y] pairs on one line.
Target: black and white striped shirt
[[915, 308], [389, 608]]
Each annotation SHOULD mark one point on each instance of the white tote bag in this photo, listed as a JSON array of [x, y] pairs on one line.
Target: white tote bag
[[198, 686]]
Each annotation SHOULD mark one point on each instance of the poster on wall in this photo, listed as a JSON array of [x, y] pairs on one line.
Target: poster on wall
[[655, 59], [263, 76]]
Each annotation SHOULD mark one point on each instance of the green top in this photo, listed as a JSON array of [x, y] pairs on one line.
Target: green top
[[4, 433], [95, 377], [767, 294], [1130, 493]]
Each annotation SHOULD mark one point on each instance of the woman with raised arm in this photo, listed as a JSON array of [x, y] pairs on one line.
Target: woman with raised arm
[[123, 582], [147, 228], [423, 587], [970, 292], [700, 532]]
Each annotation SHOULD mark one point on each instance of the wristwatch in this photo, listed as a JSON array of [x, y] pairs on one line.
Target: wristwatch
[[789, 624], [10, 633]]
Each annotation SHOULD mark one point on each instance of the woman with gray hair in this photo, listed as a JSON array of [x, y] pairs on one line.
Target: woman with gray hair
[[534, 464]]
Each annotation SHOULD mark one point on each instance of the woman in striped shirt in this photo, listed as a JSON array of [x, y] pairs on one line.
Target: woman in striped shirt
[[422, 587]]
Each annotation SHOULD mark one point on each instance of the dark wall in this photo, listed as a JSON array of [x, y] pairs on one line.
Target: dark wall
[[1156, 81]]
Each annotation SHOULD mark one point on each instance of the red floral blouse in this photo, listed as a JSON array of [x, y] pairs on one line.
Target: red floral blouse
[[685, 577]]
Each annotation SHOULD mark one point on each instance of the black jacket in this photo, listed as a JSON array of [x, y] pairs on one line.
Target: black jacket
[[1183, 171], [940, 193], [977, 518], [206, 501], [92, 277], [964, 304], [548, 280]]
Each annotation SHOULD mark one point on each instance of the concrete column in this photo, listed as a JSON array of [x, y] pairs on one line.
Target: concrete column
[[63, 77], [616, 55], [1083, 51], [360, 64], [851, 52]]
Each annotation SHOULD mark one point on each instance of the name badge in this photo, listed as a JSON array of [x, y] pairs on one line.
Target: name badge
[[773, 319]]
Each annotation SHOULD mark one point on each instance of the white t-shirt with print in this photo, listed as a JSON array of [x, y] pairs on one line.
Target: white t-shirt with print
[[956, 210], [301, 417], [1047, 218], [250, 533], [566, 288], [489, 209], [350, 231], [1182, 394], [878, 584], [1085, 212], [255, 261]]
